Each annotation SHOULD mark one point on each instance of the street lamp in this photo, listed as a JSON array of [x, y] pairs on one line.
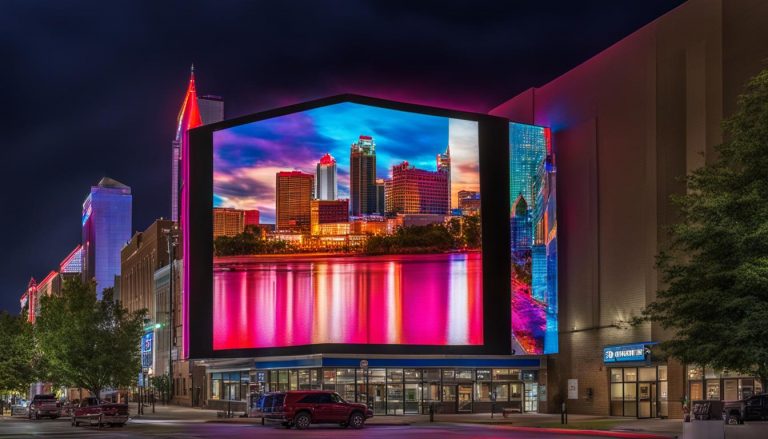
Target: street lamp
[[172, 236]]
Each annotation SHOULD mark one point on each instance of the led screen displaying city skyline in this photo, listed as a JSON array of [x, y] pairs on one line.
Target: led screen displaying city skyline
[[347, 223], [533, 225]]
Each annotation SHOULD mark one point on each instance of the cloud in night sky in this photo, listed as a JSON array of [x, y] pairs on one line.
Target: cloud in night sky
[[247, 157]]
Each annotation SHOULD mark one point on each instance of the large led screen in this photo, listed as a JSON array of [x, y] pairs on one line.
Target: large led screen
[[533, 224], [347, 224]]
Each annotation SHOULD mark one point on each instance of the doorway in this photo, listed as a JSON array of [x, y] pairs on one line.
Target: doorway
[[464, 400], [646, 400]]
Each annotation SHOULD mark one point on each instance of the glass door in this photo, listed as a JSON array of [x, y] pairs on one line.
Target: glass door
[[646, 399], [411, 404], [464, 392], [531, 397]]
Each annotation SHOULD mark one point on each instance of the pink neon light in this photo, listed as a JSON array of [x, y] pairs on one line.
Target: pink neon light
[[189, 118], [398, 299]]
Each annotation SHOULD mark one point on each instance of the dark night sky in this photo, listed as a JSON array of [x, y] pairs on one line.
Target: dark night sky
[[93, 88]]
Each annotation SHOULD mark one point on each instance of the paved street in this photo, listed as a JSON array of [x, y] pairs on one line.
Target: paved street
[[60, 428]]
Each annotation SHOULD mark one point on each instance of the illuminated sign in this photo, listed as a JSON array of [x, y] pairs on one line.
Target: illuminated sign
[[626, 353], [361, 237], [147, 340]]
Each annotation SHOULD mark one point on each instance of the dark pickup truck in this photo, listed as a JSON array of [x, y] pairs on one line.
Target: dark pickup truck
[[754, 408], [44, 405], [92, 411]]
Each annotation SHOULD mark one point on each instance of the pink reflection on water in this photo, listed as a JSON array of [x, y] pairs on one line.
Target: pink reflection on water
[[299, 300]]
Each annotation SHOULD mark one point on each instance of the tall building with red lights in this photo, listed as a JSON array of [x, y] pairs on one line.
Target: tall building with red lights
[[251, 218], [293, 196], [417, 191], [194, 112], [325, 178], [362, 176]]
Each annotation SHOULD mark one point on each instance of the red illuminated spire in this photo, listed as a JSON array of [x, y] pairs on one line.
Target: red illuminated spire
[[189, 116], [327, 159]]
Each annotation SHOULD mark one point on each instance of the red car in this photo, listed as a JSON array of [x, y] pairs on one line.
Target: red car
[[44, 405], [93, 412], [300, 408]]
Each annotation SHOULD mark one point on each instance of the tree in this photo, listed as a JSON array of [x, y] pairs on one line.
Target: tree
[[471, 231], [715, 269], [162, 383], [18, 354], [89, 343]]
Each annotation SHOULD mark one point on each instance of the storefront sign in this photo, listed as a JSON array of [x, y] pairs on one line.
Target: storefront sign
[[573, 388], [625, 353]]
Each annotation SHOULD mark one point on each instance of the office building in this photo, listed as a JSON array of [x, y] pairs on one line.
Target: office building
[[250, 218], [144, 254], [468, 201], [293, 195], [381, 196], [323, 212], [229, 222], [325, 178], [211, 108], [106, 228], [417, 191], [362, 177]]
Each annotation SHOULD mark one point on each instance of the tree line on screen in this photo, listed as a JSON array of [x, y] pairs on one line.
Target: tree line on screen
[[431, 238]]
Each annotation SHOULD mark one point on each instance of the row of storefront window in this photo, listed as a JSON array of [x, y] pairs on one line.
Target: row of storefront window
[[641, 392], [390, 390], [708, 383]]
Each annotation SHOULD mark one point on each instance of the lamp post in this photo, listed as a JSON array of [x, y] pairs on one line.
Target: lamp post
[[171, 237]]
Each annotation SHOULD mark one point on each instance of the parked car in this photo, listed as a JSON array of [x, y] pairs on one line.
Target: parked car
[[754, 408], [300, 408], [68, 407], [44, 405], [94, 412]]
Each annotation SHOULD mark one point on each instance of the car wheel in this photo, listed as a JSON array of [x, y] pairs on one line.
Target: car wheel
[[302, 421], [733, 420], [356, 420]]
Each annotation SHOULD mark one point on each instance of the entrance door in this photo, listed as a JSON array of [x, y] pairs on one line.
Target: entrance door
[[531, 398], [464, 400], [377, 398], [411, 404], [646, 400]]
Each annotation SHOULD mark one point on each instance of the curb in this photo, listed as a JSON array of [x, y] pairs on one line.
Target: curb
[[601, 433]]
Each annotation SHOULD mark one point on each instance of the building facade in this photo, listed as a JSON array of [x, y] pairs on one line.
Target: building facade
[[417, 191], [228, 222], [626, 125], [325, 178], [144, 254], [106, 228], [325, 212], [293, 197], [362, 177]]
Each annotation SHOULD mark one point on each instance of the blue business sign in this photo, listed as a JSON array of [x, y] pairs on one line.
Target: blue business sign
[[146, 349], [626, 353]]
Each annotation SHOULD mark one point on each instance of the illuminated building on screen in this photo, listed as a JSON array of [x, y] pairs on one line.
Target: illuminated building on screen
[[293, 196], [417, 191], [251, 217], [381, 196], [529, 151], [228, 222], [325, 178], [469, 201], [362, 174], [106, 228], [324, 212]]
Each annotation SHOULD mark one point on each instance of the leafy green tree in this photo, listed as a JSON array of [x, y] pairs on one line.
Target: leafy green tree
[[17, 355], [715, 270], [471, 231], [89, 343], [162, 384]]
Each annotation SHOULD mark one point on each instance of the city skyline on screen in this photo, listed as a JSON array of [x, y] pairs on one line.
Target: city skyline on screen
[[248, 157]]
